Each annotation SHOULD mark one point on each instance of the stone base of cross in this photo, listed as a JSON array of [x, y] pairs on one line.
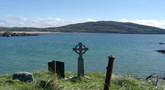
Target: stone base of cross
[[80, 49]]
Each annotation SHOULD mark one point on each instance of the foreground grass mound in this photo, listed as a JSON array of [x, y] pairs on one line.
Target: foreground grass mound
[[49, 81]]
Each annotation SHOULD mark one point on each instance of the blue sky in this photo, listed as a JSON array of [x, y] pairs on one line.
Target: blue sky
[[53, 13]]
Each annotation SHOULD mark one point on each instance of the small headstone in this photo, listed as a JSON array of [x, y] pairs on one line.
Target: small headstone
[[23, 76], [57, 67]]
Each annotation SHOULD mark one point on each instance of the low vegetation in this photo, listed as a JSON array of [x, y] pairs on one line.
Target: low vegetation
[[49, 81]]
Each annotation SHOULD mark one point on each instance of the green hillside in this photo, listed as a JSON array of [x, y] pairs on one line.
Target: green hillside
[[96, 27], [111, 27]]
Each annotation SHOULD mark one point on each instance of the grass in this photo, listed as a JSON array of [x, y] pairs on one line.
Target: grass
[[49, 81]]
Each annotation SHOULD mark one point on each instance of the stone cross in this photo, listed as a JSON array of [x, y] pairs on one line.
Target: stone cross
[[80, 49]]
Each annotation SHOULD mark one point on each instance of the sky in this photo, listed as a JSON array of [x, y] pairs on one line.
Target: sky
[[55, 13]]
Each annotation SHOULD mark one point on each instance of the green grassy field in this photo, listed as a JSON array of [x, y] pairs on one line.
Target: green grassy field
[[49, 81]]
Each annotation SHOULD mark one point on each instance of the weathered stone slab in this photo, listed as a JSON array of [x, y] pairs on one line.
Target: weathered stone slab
[[23, 76], [158, 81], [153, 78]]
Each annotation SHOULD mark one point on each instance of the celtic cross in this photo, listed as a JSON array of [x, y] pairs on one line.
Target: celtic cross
[[80, 49]]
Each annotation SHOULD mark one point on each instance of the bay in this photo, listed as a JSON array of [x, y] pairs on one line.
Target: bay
[[135, 53]]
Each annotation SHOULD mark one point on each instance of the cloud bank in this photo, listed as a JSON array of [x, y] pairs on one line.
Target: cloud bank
[[14, 21], [155, 23]]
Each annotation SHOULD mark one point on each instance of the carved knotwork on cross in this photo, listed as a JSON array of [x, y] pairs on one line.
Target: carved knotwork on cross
[[80, 49]]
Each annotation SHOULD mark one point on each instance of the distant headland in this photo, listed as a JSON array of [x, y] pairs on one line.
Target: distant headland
[[94, 27]]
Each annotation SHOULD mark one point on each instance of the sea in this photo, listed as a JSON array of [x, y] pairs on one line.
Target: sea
[[135, 53]]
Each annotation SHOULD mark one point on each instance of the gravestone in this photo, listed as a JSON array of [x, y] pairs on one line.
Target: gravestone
[[57, 67], [23, 76], [80, 49]]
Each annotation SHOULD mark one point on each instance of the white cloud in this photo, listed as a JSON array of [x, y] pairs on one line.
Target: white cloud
[[15, 21], [155, 23], [91, 20], [14, 18], [59, 19]]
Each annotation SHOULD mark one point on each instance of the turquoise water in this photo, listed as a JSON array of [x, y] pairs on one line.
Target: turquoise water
[[135, 53]]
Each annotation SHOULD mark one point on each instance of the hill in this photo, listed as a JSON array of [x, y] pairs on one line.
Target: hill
[[96, 27], [111, 27]]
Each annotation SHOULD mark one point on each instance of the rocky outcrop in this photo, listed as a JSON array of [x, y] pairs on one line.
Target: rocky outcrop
[[8, 34], [158, 81], [162, 43], [161, 51], [23, 76]]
